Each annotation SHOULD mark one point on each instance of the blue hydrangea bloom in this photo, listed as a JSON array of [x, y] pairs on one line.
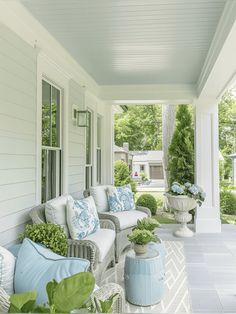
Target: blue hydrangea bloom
[[193, 189], [177, 189], [187, 184]]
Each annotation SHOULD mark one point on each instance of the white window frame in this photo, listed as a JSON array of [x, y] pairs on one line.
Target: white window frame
[[49, 71], [55, 148], [99, 148], [91, 165]]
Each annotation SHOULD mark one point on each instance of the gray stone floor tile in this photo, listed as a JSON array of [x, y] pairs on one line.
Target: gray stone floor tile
[[205, 301], [228, 300], [194, 258], [216, 262], [199, 276]]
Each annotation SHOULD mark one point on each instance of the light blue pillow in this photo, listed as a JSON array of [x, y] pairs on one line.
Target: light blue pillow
[[82, 217], [115, 205], [37, 265], [126, 197]]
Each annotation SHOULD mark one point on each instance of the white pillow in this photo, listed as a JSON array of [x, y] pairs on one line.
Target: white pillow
[[55, 212], [82, 217], [7, 269]]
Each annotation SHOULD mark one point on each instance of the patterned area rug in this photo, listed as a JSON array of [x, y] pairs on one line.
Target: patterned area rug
[[176, 295]]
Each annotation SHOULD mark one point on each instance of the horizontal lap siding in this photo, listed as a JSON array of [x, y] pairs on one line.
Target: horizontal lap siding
[[76, 171], [18, 70]]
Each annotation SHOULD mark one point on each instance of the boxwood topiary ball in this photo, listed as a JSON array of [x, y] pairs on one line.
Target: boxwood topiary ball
[[149, 201]]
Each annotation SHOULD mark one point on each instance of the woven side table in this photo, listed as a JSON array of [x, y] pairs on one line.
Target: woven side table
[[144, 278]]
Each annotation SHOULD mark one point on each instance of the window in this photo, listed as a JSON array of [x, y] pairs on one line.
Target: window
[[142, 167], [51, 142], [88, 166], [99, 150]]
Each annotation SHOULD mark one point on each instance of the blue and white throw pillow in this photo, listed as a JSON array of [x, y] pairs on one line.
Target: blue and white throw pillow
[[126, 197], [82, 217], [115, 205]]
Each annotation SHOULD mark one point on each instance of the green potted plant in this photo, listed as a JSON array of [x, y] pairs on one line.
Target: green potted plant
[[50, 235], [140, 239], [147, 224]]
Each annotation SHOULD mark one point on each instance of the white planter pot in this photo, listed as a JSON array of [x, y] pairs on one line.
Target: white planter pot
[[140, 249], [182, 204]]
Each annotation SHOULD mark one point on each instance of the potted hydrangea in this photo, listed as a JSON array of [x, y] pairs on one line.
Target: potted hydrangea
[[183, 198]]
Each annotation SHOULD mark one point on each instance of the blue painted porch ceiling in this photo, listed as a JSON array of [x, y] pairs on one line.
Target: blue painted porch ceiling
[[133, 41]]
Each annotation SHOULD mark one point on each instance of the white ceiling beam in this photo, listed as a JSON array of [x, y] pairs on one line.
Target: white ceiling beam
[[161, 93], [219, 69]]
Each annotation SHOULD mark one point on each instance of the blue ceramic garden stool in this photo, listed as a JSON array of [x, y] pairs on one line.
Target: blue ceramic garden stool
[[144, 277]]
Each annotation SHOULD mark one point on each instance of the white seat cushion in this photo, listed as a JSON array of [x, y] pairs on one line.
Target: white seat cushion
[[103, 238], [128, 218]]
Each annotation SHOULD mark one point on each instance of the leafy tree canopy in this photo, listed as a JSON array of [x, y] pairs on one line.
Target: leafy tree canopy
[[140, 126], [227, 131]]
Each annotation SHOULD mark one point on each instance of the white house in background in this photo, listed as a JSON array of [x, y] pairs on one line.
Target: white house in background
[[123, 153], [233, 157], [150, 163]]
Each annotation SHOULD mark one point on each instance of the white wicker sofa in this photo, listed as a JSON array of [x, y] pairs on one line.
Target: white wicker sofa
[[98, 248], [124, 221]]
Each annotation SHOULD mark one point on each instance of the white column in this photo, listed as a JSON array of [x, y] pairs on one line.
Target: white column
[[207, 219]]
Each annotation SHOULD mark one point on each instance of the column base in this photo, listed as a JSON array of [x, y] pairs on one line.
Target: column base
[[210, 225]]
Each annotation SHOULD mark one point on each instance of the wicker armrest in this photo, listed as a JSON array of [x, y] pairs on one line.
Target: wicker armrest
[[144, 210], [107, 224], [106, 291], [4, 301], [84, 249], [113, 219]]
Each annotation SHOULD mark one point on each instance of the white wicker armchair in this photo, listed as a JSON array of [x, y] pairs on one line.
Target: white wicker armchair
[[87, 249], [123, 221]]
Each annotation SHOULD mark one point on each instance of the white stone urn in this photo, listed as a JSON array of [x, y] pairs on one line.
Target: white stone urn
[[182, 204]]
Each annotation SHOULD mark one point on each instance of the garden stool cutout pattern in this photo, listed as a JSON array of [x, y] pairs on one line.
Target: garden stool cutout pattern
[[144, 277]]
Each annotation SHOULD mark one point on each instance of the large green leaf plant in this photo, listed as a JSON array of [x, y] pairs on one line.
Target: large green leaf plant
[[72, 294]]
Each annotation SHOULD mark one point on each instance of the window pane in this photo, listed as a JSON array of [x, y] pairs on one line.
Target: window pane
[[99, 129], [46, 114], [88, 139], [51, 174], [99, 165], [55, 105]]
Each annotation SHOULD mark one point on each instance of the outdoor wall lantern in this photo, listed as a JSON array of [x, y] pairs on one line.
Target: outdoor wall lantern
[[80, 117]]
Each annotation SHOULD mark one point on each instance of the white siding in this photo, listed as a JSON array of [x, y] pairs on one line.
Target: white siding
[[17, 133], [76, 171]]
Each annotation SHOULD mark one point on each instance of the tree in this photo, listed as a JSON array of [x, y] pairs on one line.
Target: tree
[[227, 131], [140, 126], [181, 149], [122, 175]]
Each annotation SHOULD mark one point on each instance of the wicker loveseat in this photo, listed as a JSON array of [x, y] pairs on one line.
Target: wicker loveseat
[[124, 221], [98, 248]]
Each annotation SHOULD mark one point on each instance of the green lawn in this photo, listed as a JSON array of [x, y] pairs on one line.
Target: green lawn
[[163, 219], [228, 219]]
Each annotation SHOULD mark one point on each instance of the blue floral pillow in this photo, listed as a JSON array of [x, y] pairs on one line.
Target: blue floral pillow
[[82, 217], [126, 197], [114, 202]]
